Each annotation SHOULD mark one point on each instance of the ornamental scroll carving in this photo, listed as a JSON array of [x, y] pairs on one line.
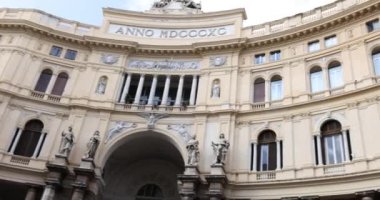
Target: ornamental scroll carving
[[164, 65]]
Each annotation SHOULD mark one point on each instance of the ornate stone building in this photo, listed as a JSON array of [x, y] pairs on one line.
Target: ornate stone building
[[175, 103]]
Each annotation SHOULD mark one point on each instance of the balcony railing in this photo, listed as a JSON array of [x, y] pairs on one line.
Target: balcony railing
[[20, 160], [261, 176], [41, 95], [334, 169]]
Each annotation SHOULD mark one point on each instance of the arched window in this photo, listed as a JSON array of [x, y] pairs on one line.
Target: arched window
[[333, 149], [149, 191], [335, 75], [43, 81], [276, 88], [259, 90], [376, 60], [102, 85], [316, 79], [60, 84], [267, 151], [30, 140]]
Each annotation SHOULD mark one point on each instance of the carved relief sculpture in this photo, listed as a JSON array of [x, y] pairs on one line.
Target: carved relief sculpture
[[67, 142], [182, 130], [118, 128], [109, 59], [192, 151], [152, 118], [218, 61], [92, 146], [220, 149]]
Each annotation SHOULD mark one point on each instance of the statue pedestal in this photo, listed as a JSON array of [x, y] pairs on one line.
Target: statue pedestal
[[190, 180], [217, 180], [57, 171], [84, 173]]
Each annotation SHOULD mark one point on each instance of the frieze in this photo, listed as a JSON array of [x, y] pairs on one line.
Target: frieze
[[110, 59], [164, 65], [218, 61]]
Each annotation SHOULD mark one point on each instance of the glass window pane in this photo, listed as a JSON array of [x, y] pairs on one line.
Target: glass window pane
[[376, 63], [330, 153], [276, 90], [335, 77], [43, 81], [56, 51], [331, 41], [60, 84], [316, 80], [339, 148], [259, 92], [264, 157]]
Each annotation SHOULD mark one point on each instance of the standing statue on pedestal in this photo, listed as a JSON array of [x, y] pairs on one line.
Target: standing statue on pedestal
[[67, 142], [220, 149], [192, 152], [92, 146]]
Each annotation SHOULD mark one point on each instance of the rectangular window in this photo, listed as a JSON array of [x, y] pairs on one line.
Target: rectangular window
[[373, 25], [275, 55], [335, 77], [314, 46], [376, 63], [331, 41], [264, 157], [334, 149], [56, 51], [260, 59], [316, 81], [71, 54], [276, 90]]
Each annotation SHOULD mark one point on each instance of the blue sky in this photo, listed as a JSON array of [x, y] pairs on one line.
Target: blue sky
[[90, 11]]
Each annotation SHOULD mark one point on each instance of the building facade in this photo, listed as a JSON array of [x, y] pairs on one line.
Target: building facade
[[137, 108]]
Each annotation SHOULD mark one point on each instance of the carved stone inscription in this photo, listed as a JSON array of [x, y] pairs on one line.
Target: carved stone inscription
[[189, 33]]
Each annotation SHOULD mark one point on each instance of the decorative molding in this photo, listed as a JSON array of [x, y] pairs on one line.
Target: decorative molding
[[164, 65]]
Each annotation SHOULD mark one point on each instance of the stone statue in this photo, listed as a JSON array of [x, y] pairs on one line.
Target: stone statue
[[192, 151], [192, 4], [92, 146], [220, 149], [185, 3], [101, 89], [215, 93], [67, 142]]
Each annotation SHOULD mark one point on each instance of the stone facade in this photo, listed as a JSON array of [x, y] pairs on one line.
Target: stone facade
[[297, 100]]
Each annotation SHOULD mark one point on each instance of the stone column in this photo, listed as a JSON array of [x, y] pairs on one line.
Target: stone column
[[31, 194], [52, 81], [319, 150], [254, 157], [166, 91], [178, 98], [39, 144], [217, 180], [126, 88], [18, 135], [326, 80], [345, 142], [267, 91], [152, 92], [193, 90], [49, 192], [83, 175], [190, 180], [278, 155], [139, 89]]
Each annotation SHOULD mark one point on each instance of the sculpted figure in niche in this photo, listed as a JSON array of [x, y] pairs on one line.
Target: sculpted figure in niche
[[92, 146], [101, 88], [192, 151], [215, 92], [67, 142], [220, 149]]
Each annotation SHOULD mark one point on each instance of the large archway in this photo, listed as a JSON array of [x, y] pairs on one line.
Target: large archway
[[144, 166]]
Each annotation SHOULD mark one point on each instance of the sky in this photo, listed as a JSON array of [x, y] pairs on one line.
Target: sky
[[90, 11]]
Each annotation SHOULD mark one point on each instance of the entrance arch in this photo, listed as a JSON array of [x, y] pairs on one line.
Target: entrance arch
[[143, 165]]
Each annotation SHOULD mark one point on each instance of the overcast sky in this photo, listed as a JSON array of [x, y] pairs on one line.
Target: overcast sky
[[89, 11]]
